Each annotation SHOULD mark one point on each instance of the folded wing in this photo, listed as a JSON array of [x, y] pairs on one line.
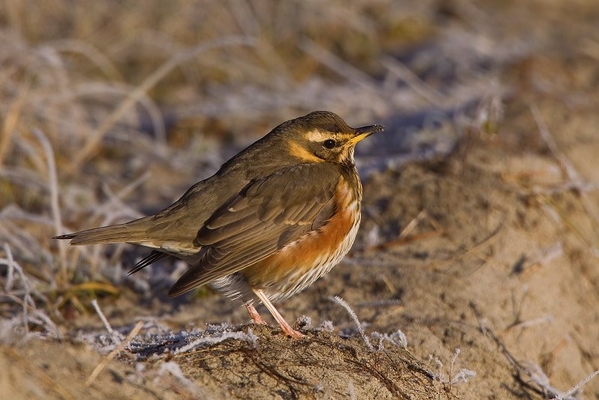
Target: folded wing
[[265, 216]]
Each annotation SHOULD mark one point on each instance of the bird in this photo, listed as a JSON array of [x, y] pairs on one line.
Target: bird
[[272, 220]]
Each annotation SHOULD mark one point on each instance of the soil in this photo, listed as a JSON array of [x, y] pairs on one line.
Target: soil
[[486, 258], [500, 264]]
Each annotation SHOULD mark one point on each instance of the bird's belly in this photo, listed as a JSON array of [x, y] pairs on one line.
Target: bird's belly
[[299, 264]]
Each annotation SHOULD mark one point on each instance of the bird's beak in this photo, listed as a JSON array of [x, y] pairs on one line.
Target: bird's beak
[[365, 131]]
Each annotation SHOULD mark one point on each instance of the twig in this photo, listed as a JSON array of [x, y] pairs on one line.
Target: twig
[[113, 354]]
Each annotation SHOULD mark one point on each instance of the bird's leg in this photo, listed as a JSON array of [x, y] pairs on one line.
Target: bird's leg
[[285, 327], [254, 315]]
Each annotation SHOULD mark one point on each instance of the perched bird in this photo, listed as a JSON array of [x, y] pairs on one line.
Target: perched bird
[[272, 220]]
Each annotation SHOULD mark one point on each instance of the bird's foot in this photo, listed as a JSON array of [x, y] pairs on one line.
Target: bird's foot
[[285, 327], [254, 315], [289, 331]]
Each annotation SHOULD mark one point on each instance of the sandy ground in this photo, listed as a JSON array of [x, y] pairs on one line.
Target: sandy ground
[[499, 264], [486, 258]]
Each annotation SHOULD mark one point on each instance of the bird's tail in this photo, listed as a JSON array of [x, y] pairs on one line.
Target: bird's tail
[[130, 232]]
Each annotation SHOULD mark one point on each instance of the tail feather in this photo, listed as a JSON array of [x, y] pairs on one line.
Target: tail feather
[[131, 232], [152, 258]]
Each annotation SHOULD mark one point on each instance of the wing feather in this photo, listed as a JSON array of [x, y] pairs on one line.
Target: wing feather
[[265, 216]]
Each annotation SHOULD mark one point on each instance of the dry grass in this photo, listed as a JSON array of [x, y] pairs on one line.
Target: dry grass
[[109, 110], [99, 99]]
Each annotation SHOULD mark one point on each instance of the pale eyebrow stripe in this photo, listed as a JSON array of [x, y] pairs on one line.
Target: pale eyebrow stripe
[[319, 136], [316, 136]]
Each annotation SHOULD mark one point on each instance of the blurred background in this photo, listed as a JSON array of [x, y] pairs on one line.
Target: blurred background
[[110, 110]]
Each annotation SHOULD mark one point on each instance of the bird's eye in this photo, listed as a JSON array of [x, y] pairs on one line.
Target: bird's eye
[[329, 143]]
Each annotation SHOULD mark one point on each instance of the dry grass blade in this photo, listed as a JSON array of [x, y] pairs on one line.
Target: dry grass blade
[[30, 313], [337, 65], [11, 120], [91, 53], [576, 388], [126, 108], [570, 173], [354, 317], [90, 381], [529, 374], [95, 287], [115, 335], [54, 202], [92, 144], [414, 82]]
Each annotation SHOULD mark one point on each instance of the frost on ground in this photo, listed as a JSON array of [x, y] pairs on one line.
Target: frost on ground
[[480, 212]]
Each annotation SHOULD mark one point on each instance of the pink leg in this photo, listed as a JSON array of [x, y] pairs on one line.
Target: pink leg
[[285, 327], [254, 315]]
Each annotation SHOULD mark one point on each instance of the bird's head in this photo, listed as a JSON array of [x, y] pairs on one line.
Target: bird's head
[[323, 136]]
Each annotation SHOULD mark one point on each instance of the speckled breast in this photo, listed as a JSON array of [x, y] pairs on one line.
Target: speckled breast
[[299, 264]]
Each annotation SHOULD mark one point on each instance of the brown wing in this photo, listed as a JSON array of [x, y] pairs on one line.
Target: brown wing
[[266, 215]]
